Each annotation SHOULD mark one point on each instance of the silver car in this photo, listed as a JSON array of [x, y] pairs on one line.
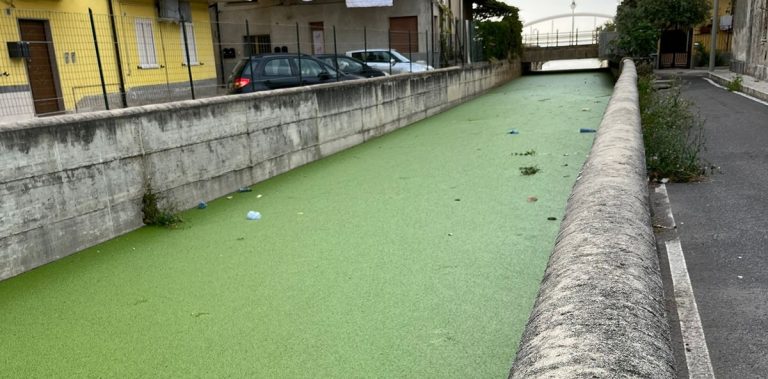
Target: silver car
[[383, 59]]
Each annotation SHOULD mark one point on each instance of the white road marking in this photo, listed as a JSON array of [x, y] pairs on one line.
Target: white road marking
[[742, 94], [694, 341]]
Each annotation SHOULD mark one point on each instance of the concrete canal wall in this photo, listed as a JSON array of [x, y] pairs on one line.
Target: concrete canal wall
[[600, 308], [70, 182]]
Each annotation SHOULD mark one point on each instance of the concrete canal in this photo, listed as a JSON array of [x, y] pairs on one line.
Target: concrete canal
[[417, 254]]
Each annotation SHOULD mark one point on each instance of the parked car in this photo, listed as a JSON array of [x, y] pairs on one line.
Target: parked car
[[272, 71], [349, 65], [383, 59]]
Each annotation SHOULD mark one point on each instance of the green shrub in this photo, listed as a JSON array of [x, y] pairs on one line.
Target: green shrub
[[735, 84], [673, 134], [153, 214]]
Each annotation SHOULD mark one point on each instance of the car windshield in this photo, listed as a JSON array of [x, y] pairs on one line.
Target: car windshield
[[400, 57]]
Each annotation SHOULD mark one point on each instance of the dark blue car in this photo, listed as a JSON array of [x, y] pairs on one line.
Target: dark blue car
[[273, 71]]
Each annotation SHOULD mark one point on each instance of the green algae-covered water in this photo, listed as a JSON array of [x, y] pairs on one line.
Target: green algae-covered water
[[417, 254]]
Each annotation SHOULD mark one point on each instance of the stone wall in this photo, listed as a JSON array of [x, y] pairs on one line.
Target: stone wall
[[69, 182], [600, 308]]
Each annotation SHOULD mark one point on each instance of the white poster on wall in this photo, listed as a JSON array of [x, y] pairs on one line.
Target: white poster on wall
[[368, 3], [318, 42]]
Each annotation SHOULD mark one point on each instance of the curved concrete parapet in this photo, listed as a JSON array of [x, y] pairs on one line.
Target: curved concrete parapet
[[600, 309]]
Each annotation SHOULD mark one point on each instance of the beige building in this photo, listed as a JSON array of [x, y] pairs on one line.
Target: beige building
[[433, 31]]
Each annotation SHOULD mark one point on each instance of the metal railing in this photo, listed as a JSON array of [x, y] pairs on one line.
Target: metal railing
[[61, 62], [558, 38]]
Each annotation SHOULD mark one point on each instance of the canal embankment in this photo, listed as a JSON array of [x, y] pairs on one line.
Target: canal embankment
[[600, 308], [417, 254], [70, 182]]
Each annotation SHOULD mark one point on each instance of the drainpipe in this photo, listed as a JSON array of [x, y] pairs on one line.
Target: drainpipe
[[119, 62]]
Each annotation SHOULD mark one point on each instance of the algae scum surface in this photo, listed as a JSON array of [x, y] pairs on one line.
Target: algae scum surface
[[417, 254]]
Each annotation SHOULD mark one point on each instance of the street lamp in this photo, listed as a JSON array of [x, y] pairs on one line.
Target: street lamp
[[573, 19]]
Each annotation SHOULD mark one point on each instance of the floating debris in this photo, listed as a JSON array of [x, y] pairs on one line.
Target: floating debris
[[587, 130], [532, 199], [253, 216], [513, 131], [552, 218], [244, 189], [525, 154], [529, 170], [202, 205]]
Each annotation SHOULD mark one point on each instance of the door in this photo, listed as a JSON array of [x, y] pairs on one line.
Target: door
[[318, 37], [404, 34], [40, 69], [674, 49], [313, 72]]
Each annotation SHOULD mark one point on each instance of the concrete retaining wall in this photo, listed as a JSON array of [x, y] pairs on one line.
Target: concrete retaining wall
[[70, 182], [600, 309]]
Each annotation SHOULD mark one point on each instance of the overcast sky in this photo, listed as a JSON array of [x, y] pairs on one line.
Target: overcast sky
[[531, 10]]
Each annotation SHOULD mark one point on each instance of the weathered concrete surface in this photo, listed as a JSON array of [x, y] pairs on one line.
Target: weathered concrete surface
[[600, 309], [545, 54], [70, 182], [750, 38]]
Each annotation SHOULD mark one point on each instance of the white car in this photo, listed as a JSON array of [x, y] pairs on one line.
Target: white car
[[383, 59]]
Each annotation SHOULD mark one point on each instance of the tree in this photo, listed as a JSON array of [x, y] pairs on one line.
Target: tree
[[489, 9], [640, 23], [502, 38]]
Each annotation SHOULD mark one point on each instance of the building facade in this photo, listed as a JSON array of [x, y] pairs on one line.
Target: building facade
[[51, 66], [750, 38], [432, 31]]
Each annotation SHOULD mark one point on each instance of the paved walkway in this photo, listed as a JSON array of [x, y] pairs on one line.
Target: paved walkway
[[722, 227]]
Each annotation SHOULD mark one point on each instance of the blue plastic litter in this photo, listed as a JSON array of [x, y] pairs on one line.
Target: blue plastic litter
[[253, 216], [202, 205], [587, 130], [513, 131], [244, 189]]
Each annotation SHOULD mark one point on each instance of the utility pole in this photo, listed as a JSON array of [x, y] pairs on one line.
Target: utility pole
[[713, 33], [573, 20]]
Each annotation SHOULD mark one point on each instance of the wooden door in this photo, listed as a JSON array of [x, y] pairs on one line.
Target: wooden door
[[42, 80], [401, 30]]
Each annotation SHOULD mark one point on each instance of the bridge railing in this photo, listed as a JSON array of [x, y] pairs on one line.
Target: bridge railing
[[558, 38]]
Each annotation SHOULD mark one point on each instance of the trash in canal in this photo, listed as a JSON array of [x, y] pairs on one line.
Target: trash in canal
[[202, 205], [513, 131], [552, 218], [529, 170], [587, 130], [244, 189], [532, 199], [253, 216]]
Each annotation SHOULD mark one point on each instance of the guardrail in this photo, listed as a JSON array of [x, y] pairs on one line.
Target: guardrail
[[600, 308]]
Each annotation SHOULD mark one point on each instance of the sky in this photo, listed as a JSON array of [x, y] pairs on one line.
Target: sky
[[531, 10]]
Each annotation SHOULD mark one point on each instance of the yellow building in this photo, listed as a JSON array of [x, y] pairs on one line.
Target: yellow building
[[49, 62], [701, 33]]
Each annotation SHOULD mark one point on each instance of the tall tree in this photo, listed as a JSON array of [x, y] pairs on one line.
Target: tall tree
[[499, 28], [640, 23]]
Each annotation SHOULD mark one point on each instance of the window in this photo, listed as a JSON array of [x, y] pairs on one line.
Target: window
[[145, 40], [190, 29], [310, 68], [259, 44], [278, 67]]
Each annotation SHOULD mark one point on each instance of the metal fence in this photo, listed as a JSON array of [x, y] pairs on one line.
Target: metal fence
[[558, 38], [75, 62]]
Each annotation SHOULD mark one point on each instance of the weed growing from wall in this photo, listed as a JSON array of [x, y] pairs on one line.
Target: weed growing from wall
[[154, 214], [673, 134]]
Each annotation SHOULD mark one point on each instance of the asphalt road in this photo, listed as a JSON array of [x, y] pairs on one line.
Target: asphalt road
[[723, 228]]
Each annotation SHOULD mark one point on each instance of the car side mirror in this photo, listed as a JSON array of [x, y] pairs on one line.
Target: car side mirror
[[392, 61]]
